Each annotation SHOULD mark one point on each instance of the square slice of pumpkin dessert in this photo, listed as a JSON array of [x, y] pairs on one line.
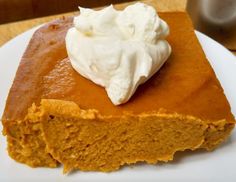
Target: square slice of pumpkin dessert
[[109, 88]]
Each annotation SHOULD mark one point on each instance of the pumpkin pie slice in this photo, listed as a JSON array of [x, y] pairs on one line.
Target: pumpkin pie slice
[[54, 115]]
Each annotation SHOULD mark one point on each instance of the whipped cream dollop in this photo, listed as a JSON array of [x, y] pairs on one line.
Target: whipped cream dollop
[[118, 50]]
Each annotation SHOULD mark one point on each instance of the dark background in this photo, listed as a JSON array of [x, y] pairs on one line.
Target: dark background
[[14, 10]]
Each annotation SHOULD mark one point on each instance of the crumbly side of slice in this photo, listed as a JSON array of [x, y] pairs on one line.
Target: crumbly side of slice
[[85, 140], [26, 144]]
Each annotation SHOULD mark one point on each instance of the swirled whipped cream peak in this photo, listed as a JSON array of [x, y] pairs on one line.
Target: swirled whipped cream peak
[[118, 50]]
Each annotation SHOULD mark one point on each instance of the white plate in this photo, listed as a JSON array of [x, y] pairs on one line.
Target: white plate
[[218, 165]]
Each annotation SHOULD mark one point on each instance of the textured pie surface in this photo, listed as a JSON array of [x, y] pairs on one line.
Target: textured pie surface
[[185, 91]]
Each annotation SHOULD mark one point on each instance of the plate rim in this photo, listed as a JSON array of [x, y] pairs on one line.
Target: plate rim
[[35, 28]]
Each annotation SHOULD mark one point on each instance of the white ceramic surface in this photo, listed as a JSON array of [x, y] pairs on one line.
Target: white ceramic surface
[[218, 165]]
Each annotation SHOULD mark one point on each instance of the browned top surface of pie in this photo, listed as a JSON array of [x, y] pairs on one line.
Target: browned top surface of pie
[[186, 84]]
